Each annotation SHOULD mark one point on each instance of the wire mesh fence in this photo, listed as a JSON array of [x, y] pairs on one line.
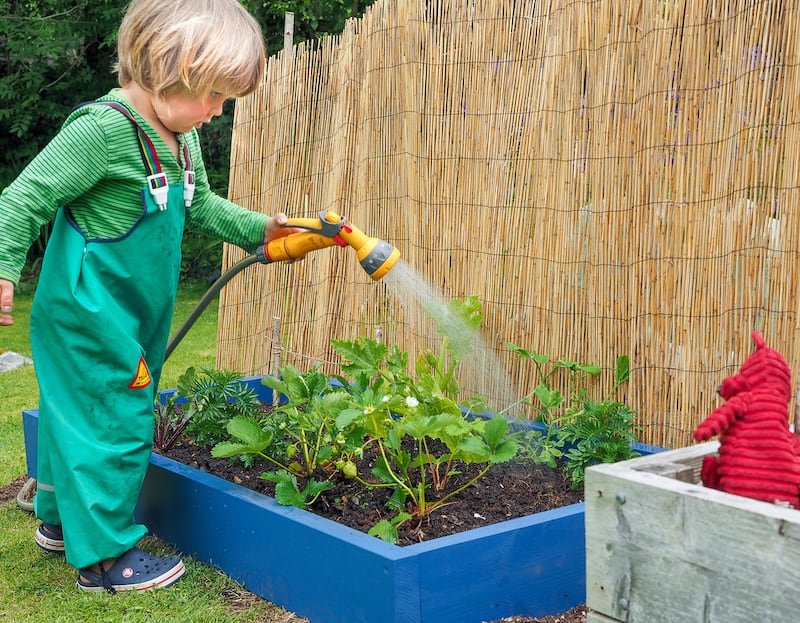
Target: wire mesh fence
[[609, 177]]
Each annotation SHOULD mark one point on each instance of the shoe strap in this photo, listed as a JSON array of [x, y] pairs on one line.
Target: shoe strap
[[105, 581]]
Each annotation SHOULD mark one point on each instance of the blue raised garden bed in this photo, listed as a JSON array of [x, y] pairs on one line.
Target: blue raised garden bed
[[330, 573]]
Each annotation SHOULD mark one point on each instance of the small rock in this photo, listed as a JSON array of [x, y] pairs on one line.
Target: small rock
[[10, 361]]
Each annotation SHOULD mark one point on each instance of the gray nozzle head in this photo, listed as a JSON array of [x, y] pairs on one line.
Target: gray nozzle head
[[377, 257]]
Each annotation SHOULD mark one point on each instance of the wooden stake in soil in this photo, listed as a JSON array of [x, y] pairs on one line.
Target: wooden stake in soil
[[276, 353]]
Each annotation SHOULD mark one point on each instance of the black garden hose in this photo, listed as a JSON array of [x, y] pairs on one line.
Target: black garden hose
[[209, 296]]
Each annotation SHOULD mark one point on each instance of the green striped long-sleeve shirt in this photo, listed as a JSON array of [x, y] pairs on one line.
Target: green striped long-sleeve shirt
[[93, 165]]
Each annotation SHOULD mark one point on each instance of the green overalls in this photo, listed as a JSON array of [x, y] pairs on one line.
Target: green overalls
[[99, 327]]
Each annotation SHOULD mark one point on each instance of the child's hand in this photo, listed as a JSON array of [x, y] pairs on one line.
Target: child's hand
[[275, 228], [6, 302]]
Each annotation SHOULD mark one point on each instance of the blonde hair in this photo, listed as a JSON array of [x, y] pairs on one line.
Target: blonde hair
[[196, 46]]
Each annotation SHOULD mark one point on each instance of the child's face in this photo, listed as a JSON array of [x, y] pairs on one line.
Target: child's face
[[180, 111]]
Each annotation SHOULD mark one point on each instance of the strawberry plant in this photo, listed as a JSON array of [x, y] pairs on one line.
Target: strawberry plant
[[403, 415], [414, 423], [301, 437], [252, 439]]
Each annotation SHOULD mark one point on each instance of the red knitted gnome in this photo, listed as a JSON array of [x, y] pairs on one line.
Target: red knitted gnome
[[759, 456]]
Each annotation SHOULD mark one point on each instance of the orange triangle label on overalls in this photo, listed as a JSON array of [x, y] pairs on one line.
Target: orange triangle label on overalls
[[142, 378]]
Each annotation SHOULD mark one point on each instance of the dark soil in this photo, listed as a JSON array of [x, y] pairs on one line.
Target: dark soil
[[8, 493], [508, 491]]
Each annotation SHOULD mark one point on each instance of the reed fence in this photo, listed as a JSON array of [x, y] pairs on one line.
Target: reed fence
[[608, 176]]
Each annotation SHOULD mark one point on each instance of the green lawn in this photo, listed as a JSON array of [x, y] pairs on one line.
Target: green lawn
[[36, 587]]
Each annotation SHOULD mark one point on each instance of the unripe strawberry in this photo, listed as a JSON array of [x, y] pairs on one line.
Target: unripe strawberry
[[349, 469]]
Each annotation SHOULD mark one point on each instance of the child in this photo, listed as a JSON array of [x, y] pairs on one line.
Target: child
[[120, 179]]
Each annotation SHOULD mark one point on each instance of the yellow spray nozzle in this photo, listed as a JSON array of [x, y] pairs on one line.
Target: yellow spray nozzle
[[377, 257]]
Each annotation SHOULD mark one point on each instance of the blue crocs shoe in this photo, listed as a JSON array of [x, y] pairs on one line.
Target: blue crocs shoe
[[135, 570], [50, 538]]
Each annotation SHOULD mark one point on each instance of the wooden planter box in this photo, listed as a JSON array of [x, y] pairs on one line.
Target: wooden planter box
[[330, 573], [662, 548]]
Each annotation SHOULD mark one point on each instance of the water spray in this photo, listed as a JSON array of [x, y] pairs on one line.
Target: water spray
[[377, 257]]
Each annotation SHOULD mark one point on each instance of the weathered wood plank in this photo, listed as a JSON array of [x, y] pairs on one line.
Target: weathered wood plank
[[663, 550]]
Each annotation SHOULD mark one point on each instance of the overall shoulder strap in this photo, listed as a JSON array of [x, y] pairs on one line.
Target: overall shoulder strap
[[146, 147], [157, 181]]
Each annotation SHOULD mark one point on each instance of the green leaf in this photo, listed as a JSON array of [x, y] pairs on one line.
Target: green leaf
[[522, 353], [286, 489], [474, 450], [273, 383], [504, 451], [186, 381], [398, 499], [248, 430], [397, 361], [252, 439], [549, 456], [347, 417], [476, 404], [333, 401], [550, 398], [299, 388], [381, 471], [227, 449], [566, 364], [384, 530], [418, 426], [361, 356], [590, 368], [287, 494], [315, 487], [623, 370], [387, 530], [495, 430]]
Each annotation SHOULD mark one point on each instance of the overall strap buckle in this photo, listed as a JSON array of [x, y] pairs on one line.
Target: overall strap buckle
[[159, 188]]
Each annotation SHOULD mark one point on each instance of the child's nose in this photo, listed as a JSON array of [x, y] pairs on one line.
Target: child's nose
[[215, 110]]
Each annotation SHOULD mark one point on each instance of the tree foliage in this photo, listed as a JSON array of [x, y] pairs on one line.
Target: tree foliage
[[52, 54], [312, 18]]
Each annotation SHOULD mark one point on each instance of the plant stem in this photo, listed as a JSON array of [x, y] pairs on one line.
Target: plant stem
[[280, 465], [438, 503], [403, 485]]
